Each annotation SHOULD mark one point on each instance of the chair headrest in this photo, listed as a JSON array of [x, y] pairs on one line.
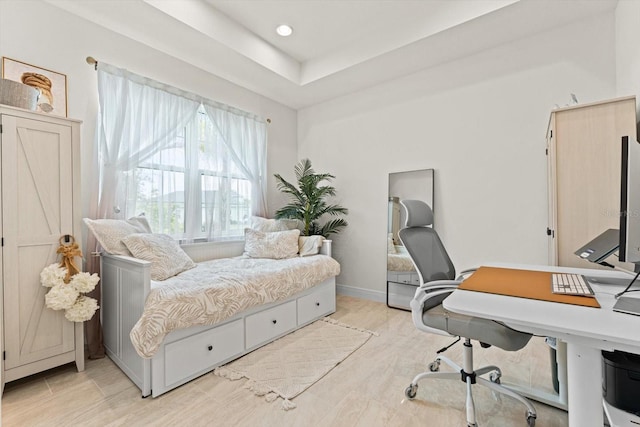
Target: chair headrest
[[419, 214]]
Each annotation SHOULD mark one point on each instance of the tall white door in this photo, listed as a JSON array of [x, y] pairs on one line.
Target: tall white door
[[37, 208]]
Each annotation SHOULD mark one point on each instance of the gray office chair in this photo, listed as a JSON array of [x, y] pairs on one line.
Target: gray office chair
[[437, 275]]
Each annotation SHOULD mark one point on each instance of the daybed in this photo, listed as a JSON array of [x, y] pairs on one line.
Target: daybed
[[163, 334]]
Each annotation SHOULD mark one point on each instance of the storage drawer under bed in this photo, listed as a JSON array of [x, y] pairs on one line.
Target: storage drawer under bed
[[265, 325], [319, 303], [197, 353]]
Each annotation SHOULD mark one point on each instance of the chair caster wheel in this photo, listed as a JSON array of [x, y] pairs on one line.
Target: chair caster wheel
[[531, 419], [411, 391], [434, 366], [494, 377]]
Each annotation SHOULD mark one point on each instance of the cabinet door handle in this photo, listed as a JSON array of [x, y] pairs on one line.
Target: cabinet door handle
[[274, 321], [210, 348], [317, 304]]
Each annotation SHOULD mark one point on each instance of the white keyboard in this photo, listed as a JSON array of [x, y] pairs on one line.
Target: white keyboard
[[570, 284]]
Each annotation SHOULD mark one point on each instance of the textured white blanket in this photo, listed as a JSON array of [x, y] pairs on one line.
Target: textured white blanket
[[217, 290]]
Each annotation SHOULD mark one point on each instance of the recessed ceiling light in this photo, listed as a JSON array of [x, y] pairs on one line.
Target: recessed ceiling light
[[284, 30]]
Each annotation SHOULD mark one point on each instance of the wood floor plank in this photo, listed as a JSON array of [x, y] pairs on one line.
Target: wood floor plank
[[366, 389]]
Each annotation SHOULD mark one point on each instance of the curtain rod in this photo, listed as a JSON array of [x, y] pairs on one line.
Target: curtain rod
[[92, 61]]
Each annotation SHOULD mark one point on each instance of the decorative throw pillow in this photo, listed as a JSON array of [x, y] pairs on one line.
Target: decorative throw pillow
[[271, 225], [110, 232], [166, 256], [309, 245], [140, 222], [274, 245]]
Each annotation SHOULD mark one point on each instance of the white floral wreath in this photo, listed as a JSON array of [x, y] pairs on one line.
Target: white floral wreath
[[68, 296]]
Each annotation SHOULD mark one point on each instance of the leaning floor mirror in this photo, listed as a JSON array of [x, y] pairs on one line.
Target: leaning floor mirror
[[402, 279]]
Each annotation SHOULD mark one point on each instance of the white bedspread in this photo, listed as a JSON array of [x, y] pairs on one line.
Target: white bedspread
[[217, 290]]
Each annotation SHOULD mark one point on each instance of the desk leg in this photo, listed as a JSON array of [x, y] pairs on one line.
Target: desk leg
[[584, 369], [558, 400], [561, 360]]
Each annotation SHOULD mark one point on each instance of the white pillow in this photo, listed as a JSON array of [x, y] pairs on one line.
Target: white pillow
[[309, 245], [141, 223], [110, 232], [271, 225], [166, 256], [274, 245]]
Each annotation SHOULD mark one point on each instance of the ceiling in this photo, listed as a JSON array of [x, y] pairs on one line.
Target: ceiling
[[338, 46]]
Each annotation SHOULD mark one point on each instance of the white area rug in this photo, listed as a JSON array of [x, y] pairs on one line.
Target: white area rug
[[288, 366]]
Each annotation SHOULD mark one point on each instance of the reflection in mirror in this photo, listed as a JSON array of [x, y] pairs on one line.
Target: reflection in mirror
[[402, 279]]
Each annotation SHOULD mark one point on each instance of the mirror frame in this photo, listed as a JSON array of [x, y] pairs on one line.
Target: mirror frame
[[416, 184]]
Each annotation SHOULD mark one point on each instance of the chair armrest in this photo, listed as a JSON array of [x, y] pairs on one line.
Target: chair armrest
[[439, 287], [421, 297], [462, 275], [436, 284]]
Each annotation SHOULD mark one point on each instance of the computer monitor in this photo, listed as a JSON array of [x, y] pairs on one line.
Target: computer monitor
[[629, 250]]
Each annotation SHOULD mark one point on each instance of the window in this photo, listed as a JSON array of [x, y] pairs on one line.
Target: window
[[193, 187], [194, 166]]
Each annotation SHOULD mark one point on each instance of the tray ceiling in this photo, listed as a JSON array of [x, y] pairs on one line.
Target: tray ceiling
[[337, 47]]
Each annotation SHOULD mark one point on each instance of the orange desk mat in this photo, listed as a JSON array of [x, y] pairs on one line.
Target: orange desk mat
[[520, 283]]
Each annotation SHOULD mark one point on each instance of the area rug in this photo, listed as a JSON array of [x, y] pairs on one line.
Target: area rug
[[290, 365]]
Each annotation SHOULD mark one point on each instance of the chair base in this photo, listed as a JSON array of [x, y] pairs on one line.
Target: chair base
[[471, 377]]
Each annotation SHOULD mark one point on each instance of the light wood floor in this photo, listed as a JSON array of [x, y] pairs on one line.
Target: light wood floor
[[367, 389]]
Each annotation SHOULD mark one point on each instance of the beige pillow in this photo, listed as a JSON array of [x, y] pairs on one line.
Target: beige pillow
[[166, 256], [271, 225], [141, 223], [309, 245], [274, 245], [110, 232]]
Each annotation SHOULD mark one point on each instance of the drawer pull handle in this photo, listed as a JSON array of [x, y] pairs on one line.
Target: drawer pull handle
[[274, 321], [210, 348], [317, 304]]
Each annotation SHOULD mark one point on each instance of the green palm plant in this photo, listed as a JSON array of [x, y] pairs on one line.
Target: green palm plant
[[308, 201]]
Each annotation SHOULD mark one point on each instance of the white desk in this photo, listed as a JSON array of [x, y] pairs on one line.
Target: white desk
[[585, 330]]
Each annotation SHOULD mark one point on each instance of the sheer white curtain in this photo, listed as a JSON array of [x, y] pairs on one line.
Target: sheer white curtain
[[196, 167], [245, 137], [138, 119]]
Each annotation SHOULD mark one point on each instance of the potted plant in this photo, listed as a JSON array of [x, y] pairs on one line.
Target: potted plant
[[308, 201]]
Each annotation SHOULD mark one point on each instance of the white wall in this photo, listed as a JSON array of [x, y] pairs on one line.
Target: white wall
[[480, 122], [43, 35]]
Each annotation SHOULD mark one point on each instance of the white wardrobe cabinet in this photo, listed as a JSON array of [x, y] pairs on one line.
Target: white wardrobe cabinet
[[584, 157], [40, 202]]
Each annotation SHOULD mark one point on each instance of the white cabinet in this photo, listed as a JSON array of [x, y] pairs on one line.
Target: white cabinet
[[40, 202], [584, 157]]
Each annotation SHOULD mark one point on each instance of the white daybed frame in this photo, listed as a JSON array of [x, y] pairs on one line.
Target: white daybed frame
[[189, 353]]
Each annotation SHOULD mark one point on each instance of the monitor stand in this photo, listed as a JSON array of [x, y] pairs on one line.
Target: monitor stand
[[628, 305], [600, 248]]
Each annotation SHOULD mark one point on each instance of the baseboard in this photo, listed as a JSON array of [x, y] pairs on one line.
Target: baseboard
[[351, 291]]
